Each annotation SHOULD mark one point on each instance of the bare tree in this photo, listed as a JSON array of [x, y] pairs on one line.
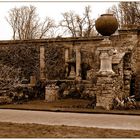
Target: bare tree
[[127, 13], [90, 22], [76, 25], [69, 22], [130, 12], [47, 26], [80, 25], [26, 24], [115, 11]]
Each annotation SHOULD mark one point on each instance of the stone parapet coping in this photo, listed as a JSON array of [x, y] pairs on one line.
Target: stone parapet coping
[[52, 40]]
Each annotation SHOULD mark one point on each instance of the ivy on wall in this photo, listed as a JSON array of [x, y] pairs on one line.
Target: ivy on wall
[[22, 56], [55, 62], [9, 76], [26, 58]]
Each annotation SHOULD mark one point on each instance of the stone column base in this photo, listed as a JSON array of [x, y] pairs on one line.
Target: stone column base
[[111, 72]]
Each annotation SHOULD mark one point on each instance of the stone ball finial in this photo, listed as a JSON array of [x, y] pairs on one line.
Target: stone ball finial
[[106, 24]]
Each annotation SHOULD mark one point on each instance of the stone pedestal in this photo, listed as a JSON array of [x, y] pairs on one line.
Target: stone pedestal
[[106, 62], [106, 91], [51, 93], [106, 53], [42, 63], [105, 81], [72, 73]]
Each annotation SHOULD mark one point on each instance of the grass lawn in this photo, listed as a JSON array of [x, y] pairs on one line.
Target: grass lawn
[[15, 130], [70, 105], [43, 105]]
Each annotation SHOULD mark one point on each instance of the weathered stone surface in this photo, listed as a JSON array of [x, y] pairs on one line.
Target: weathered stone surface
[[117, 58], [108, 87], [51, 93], [125, 62]]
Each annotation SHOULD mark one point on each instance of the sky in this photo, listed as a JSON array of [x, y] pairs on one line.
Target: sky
[[49, 9]]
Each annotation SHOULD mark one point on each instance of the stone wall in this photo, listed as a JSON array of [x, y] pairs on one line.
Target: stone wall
[[125, 62], [71, 89], [25, 55]]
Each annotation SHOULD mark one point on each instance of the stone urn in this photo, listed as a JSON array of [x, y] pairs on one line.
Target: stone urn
[[71, 72], [106, 24]]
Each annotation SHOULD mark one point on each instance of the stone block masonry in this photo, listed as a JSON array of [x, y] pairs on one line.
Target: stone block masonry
[[110, 75], [51, 93], [106, 91]]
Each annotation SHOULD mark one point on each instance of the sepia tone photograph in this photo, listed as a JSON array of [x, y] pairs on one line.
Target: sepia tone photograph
[[69, 69]]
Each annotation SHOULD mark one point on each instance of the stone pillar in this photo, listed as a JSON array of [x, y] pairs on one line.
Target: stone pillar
[[66, 54], [78, 63], [42, 63], [105, 77], [32, 80], [71, 63], [66, 60], [106, 91]]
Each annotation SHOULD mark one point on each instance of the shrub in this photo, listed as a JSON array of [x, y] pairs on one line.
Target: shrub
[[5, 100], [62, 88], [22, 56], [126, 103], [73, 93], [39, 89]]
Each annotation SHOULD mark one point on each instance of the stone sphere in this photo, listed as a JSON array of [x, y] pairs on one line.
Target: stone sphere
[[106, 24]]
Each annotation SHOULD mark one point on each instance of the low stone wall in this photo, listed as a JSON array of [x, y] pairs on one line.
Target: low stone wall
[[57, 89]]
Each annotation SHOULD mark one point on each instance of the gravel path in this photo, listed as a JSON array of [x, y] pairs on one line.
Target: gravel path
[[71, 119]]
